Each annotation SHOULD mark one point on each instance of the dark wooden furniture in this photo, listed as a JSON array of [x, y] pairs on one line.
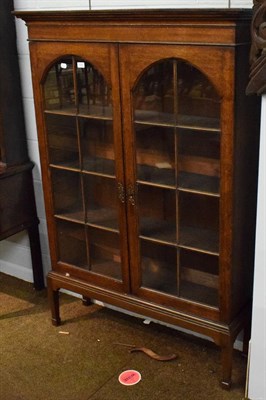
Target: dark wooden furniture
[[17, 202], [257, 83], [149, 153]]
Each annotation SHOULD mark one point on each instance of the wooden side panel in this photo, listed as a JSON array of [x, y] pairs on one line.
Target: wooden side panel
[[247, 117]]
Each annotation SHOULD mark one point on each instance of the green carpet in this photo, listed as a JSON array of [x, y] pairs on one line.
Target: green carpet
[[38, 362]]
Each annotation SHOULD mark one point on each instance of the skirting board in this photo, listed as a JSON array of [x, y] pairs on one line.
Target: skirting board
[[16, 270]]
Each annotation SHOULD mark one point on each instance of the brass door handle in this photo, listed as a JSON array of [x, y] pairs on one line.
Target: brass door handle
[[131, 195], [121, 192]]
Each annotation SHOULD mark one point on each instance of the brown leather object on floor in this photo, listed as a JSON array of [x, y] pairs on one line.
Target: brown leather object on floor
[[153, 355]]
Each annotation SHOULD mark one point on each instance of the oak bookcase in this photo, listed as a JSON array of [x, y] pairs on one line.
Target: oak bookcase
[[149, 151]]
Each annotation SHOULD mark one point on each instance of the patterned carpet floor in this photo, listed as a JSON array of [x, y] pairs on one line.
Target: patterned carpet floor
[[81, 360]]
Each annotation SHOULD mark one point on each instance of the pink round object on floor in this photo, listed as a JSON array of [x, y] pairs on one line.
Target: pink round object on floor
[[129, 377]]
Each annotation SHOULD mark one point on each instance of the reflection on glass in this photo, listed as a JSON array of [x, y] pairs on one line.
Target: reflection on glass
[[73, 84], [79, 128], [198, 100], [97, 144], [59, 87], [155, 154], [199, 160], [101, 201], [199, 277], [67, 194], [175, 92], [159, 267], [62, 140], [159, 220], [104, 253], [94, 95], [72, 243], [154, 96], [177, 141], [199, 222]]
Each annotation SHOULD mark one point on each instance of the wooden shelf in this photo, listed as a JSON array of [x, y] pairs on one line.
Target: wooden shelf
[[102, 218], [93, 112], [67, 111], [101, 166], [158, 231], [157, 118], [163, 177], [67, 166], [111, 269], [198, 183], [203, 240], [72, 216], [192, 285], [188, 182], [199, 294]]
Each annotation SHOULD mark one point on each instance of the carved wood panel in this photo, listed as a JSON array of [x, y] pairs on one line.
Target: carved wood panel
[[257, 83]]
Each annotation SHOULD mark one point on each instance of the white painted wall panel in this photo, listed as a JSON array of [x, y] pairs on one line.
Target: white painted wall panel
[[25, 4], [20, 238], [25, 73], [241, 3], [22, 36], [103, 4], [39, 199], [10, 254], [33, 150], [257, 378], [62, 4], [29, 116]]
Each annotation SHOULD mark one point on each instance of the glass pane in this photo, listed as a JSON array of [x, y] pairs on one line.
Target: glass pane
[[101, 201], [153, 96], [72, 243], [199, 160], [177, 141], [94, 95], [97, 144], [159, 220], [155, 154], [159, 267], [59, 87], [104, 253], [199, 222], [62, 140], [199, 277], [198, 101], [67, 194]]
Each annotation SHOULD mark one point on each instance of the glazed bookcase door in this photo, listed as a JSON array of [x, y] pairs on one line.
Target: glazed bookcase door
[[84, 161], [175, 181]]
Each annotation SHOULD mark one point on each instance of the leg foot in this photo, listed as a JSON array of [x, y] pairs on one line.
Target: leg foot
[[53, 296], [86, 301], [227, 360]]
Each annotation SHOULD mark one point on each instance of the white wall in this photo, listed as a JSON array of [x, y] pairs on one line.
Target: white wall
[[14, 252], [257, 378]]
